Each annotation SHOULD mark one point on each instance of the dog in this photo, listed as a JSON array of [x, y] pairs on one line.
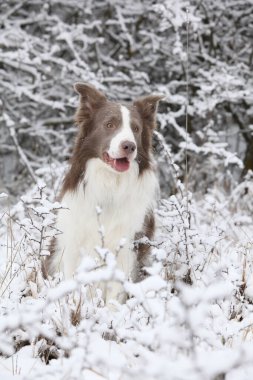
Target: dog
[[112, 168]]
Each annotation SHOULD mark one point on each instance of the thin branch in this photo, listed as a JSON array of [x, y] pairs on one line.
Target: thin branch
[[21, 152]]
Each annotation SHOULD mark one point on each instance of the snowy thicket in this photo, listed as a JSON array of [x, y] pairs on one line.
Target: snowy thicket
[[128, 49], [191, 318]]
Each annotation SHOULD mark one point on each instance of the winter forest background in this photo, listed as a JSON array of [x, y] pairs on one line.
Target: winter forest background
[[192, 318]]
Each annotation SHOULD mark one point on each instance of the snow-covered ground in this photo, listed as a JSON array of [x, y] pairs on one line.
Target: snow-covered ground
[[191, 319]]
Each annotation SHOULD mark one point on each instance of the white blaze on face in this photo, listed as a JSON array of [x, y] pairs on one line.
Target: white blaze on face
[[124, 134]]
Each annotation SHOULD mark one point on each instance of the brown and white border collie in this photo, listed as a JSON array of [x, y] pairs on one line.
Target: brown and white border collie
[[112, 168]]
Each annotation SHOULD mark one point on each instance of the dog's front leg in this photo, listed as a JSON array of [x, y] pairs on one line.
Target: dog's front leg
[[114, 290]]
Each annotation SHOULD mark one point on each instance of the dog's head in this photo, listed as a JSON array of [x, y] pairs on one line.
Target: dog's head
[[116, 133]]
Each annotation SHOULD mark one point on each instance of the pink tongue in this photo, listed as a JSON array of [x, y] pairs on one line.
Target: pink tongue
[[121, 164]]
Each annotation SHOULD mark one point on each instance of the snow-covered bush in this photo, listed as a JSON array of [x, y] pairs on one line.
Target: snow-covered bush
[[190, 318], [127, 49]]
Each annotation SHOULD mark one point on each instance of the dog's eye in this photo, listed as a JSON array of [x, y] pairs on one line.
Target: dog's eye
[[136, 128], [109, 125]]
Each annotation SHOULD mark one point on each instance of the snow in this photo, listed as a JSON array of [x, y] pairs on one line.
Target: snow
[[3, 195], [192, 330]]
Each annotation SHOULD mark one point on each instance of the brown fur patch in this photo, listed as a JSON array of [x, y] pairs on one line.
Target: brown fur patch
[[92, 139], [143, 249]]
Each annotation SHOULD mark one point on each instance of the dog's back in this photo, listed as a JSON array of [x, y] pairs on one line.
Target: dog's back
[[111, 182]]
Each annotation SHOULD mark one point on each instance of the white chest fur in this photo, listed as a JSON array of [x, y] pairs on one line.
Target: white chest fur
[[125, 198]]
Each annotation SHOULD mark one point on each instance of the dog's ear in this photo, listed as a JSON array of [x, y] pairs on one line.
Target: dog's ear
[[147, 107], [90, 100], [89, 93]]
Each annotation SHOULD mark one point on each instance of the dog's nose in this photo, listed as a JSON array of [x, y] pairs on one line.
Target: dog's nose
[[128, 147]]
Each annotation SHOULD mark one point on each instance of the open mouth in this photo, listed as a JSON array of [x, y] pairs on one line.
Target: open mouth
[[119, 164]]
